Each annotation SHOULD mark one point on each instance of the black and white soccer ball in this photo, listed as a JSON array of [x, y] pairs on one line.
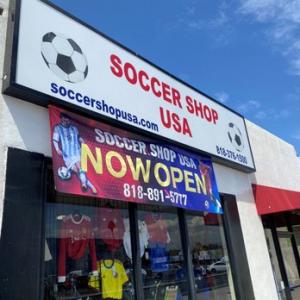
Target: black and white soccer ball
[[235, 136], [64, 173], [64, 57]]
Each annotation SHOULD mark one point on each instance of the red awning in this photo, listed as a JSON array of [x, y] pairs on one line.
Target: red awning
[[271, 200]]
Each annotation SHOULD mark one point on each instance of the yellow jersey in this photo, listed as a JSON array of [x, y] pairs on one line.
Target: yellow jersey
[[113, 276]]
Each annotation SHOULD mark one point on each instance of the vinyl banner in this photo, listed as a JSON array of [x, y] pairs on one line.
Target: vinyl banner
[[94, 159]]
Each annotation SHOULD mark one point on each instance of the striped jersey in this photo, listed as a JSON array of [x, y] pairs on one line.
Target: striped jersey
[[69, 140]]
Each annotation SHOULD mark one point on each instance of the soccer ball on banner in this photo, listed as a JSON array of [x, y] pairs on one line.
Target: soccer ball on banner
[[64, 173], [64, 57], [235, 137]]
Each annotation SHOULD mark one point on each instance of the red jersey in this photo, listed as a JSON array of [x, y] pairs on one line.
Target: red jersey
[[75, 237], [110, 227], [157, 229]]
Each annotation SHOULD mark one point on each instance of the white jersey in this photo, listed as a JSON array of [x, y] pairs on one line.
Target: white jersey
[[143, 237], [69, 140]]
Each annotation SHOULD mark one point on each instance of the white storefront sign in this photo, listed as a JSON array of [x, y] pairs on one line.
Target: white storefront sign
[[60, 57]]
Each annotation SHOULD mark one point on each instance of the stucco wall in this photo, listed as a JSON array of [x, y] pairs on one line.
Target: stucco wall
[[237, 183], [276, 162], [22, 125]]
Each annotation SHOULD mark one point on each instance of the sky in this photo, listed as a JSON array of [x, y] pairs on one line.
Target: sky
[[243, 53]]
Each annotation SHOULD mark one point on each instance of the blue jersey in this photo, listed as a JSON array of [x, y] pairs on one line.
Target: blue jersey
[[68, 137], [159, 258]]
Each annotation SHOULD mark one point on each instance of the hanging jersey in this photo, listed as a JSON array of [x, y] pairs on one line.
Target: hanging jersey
[[157, 228], [68, 137], [75, 238], [112, 276], [158, 258], [143, 237], [110, 227]]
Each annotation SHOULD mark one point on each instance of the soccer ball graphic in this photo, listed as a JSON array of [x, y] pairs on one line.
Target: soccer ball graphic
[[235, 137], [64, 57], [64, 173]]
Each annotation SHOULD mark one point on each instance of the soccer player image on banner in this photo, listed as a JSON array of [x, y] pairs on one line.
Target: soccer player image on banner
[[205, 169], [67, 143]]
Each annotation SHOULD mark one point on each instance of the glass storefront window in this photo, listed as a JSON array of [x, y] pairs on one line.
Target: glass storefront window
[[163, 269], [88, 252], [210, 261], [275, 265], [285, 242], [282, 235], [87, 249]]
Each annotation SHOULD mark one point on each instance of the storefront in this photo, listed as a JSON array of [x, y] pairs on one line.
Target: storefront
[[138, 187], [276, 188]]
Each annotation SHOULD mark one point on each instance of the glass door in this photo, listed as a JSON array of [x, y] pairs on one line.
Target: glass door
[[288, 253], [275, 265], [163, 266], [211, 268]]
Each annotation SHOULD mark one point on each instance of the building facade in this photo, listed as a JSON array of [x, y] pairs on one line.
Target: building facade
[[228, 260], [276, 189]]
